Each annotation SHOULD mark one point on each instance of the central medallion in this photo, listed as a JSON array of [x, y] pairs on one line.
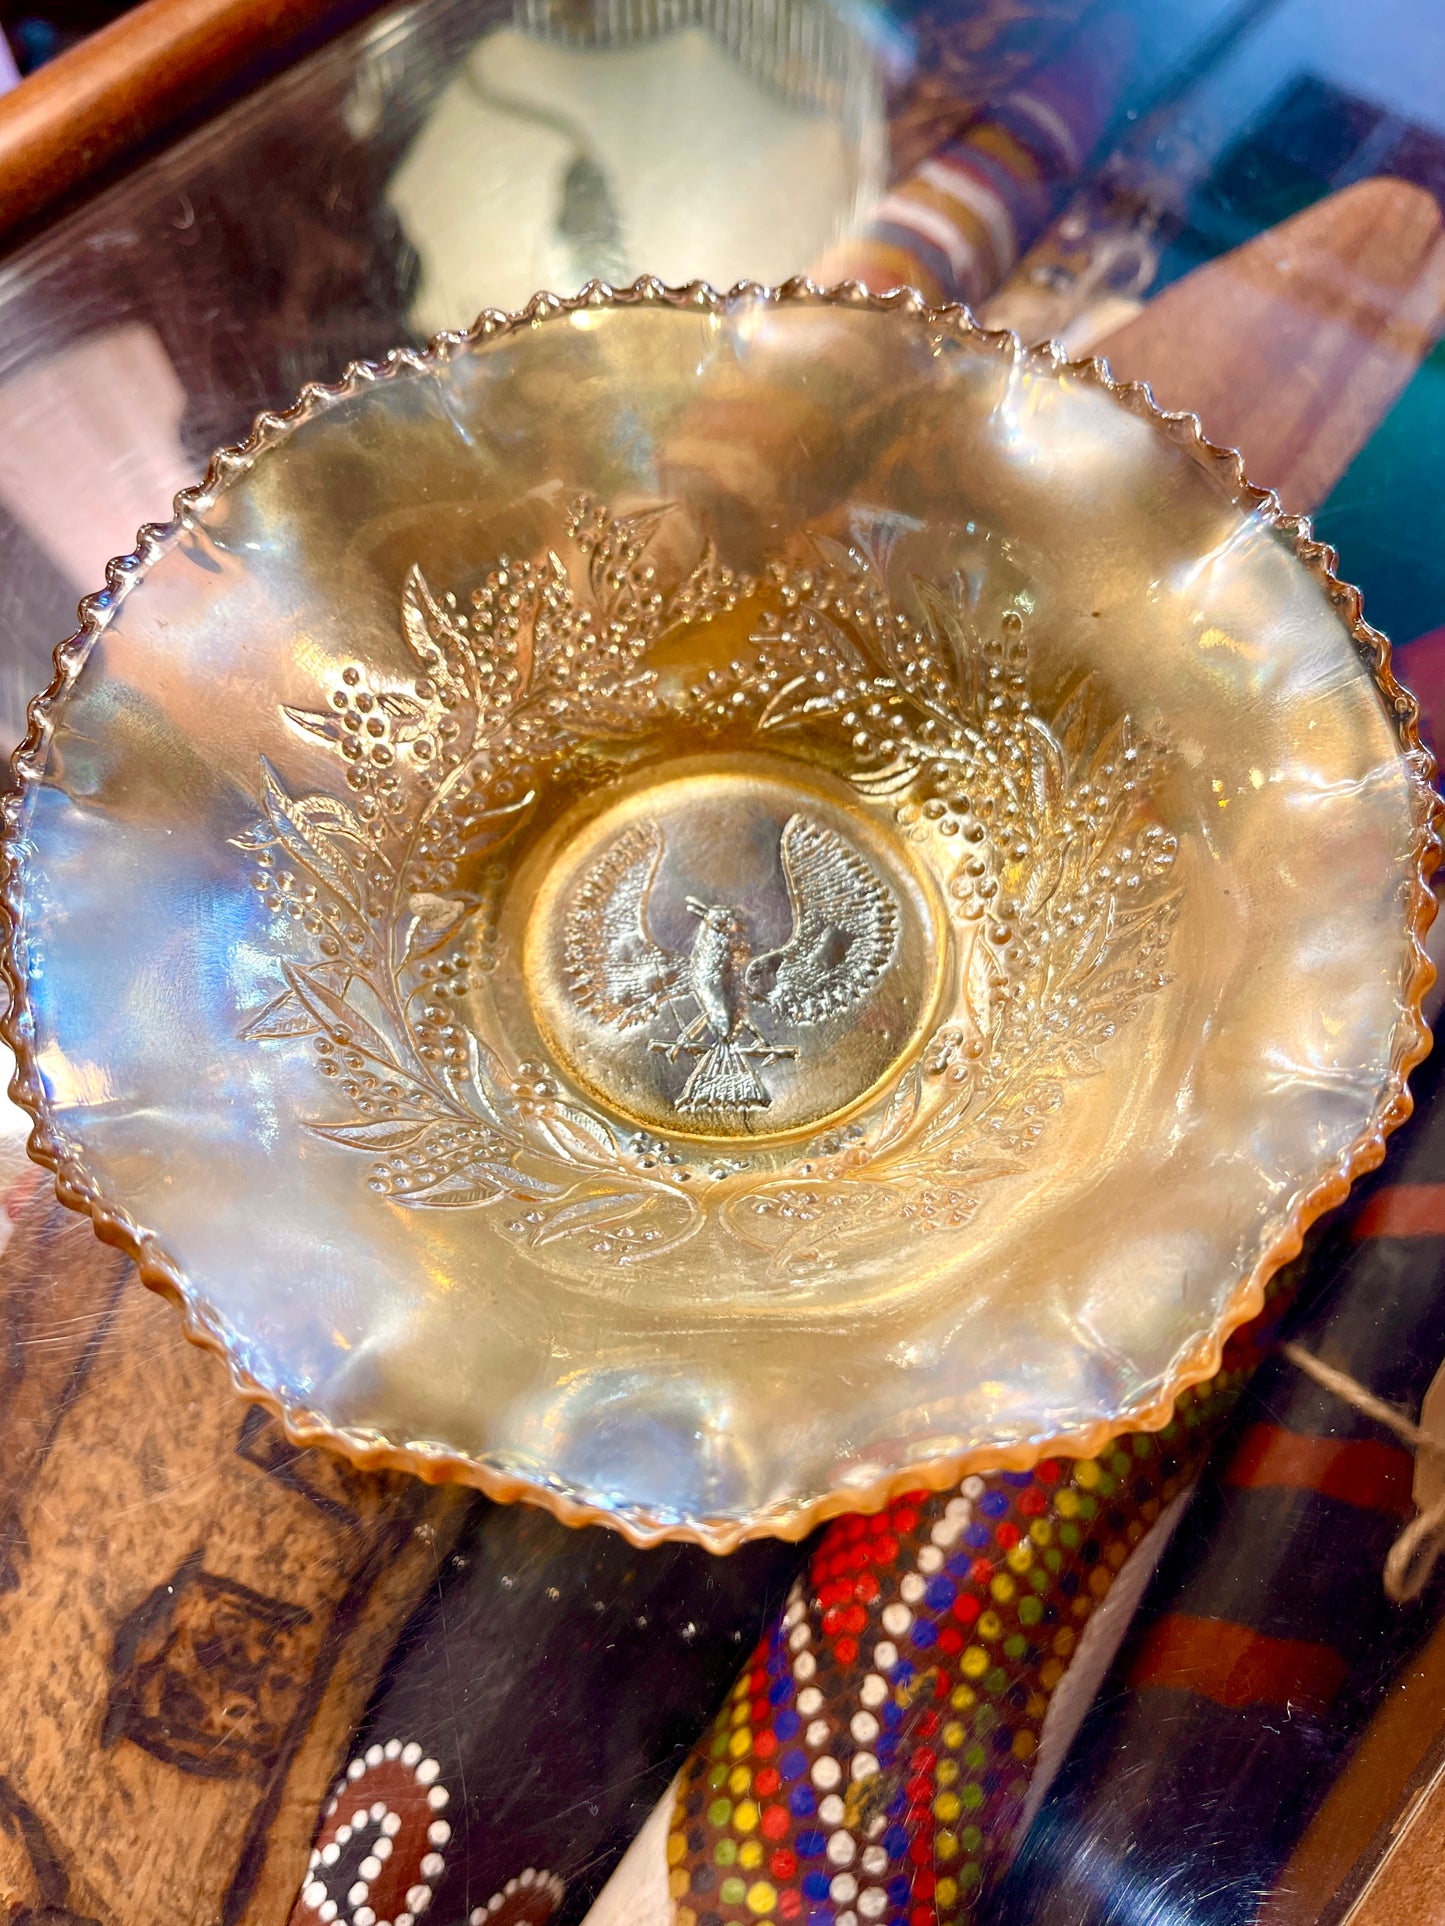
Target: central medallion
[[732, 950]]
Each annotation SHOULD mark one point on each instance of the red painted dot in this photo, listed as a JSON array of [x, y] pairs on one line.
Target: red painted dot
[[981, 1570], [853, 1528], [783, 1865], [905, 1518], [865, 1586], [855, 1618], [950, 1640], [925, 1758], [885, 1552], [832, 1621], [940, 1687], [790, 1903], [774, 1823], [922, 1916], [966, 1608], [920, 1790], [1007, 1535], [758, 1711], [846, 1650], [920, 1851], [1032, 1503], [766, 1782], [1048, 1471], [878, 1524], [923, 1885]]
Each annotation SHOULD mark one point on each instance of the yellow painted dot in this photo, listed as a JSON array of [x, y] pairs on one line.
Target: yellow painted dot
[[745, 1817], [741, 1742], [1035, 1705], [945, 1845], [740, 1713], [946, 1806], [739, 1779], [1082, 1605], [684, 1916], [990, 1625], [1100, 1579], [1067, 1504], [678, 1881], [947, 1771], [1086, 1474], [1050, 1672], [1116, 1553], [1064, 1641], [742, 1689], [750, 1853], [953, 1735], [974, 1662], [945, 1892], [762, 1897], [1002, 1587], [963, 1697], [1021, 1557], [1025, 1744], [1042, 1532], [676, 1849]]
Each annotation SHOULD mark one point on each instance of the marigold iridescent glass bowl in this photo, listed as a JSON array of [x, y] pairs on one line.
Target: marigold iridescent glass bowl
[[701, 908]]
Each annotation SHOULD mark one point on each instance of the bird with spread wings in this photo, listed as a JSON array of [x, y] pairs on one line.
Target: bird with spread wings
[[845, 929]]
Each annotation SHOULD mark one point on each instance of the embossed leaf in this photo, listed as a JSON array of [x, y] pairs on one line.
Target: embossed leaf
[[1078, 722], [283, 1016], [313, 722], [407, 716], [578, 1138], [296, 821], [374, 1133], [431, 634], [258, 836], [336, 1016], [804, 696], [434, 922], [590, 1214]]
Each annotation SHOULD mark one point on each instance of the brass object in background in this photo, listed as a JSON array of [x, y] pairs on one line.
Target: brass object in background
[[1102, 829]]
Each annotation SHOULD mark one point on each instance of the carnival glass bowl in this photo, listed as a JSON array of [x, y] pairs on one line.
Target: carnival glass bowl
[[701, 908]]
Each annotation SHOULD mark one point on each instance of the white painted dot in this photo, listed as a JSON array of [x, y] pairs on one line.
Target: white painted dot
[[864, 1727], [885, 1655], [404, 1919], [343, 1837], [850, 1918], [810, 1700], [874, 1690], [383, 1848], [391, 1825], [313, 1894], [911, 1590], [331, 1851], [817, 1733], [374, 1755], [314, 1860], [798, 1638], [878, 1823], [826, 1772], [794, 1612], [356, 1768], [360, 1819], [438, 1832], [842, 1849], [896, 1619], [418, 1898], [427, 1771], [972, 1487], [328, 1912], [958, 1511], [378, 1810], [478, 1916], [439, 1798], [392, 1748], [359, 1894], [363, 1916], [529, 1875], [872, 1903], [842, 1887], [433, 1866], [944, 1534], [804, 1666], [831, 1809], [370, 1866], [864, 1765], [930, 1559], [875, 1859], [410, 1753]]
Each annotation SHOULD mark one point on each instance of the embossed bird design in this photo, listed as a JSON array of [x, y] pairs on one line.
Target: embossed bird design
[[845, 930]]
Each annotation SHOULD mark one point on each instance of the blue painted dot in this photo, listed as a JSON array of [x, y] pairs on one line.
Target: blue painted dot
[[898, 1891], [815, 1885], [1018, 1478], [786, 1724], [993, 1504], [892, 1716], [811, 1844], [887, 1750], [779, 1691], [895, 1844], [903, 1671], [804, 1801], [792, 1764], [977, 1536], [897, 1803], [821, 1916], [940, 1593], [925, 1632]]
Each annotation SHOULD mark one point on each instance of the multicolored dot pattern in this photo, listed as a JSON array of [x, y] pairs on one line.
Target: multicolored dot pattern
[[871, 1763]]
